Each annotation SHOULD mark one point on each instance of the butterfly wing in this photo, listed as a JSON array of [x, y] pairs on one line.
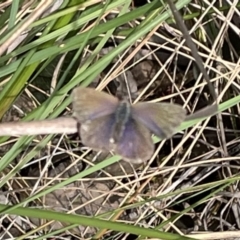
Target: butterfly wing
[[136, 144], [89, 104], [96, 133], [160, 118]]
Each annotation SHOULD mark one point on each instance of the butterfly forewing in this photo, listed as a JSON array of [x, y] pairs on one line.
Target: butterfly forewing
[[162, 119], [89, 104]]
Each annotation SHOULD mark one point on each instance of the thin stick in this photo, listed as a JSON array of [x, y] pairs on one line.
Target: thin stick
[[53, 126], [192, 46], [209, 109]]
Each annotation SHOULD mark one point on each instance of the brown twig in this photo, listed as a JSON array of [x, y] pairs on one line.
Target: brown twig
[[60, 125], [192, 46]]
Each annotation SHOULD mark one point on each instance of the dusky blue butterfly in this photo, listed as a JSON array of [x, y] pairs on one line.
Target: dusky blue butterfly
[[110, 124]]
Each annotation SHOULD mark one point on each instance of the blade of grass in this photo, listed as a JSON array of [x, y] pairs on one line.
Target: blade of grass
[[13, 13], [74, 42], [93, 222], [22, 75]]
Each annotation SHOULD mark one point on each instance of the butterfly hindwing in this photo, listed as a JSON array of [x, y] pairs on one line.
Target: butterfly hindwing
[[97, 133], [136, 143]]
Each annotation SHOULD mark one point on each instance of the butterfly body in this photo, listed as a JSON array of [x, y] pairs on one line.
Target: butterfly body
[[122, 116], [109, 124]]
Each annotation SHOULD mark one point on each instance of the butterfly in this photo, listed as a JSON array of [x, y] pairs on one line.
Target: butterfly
[[110, 124]]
